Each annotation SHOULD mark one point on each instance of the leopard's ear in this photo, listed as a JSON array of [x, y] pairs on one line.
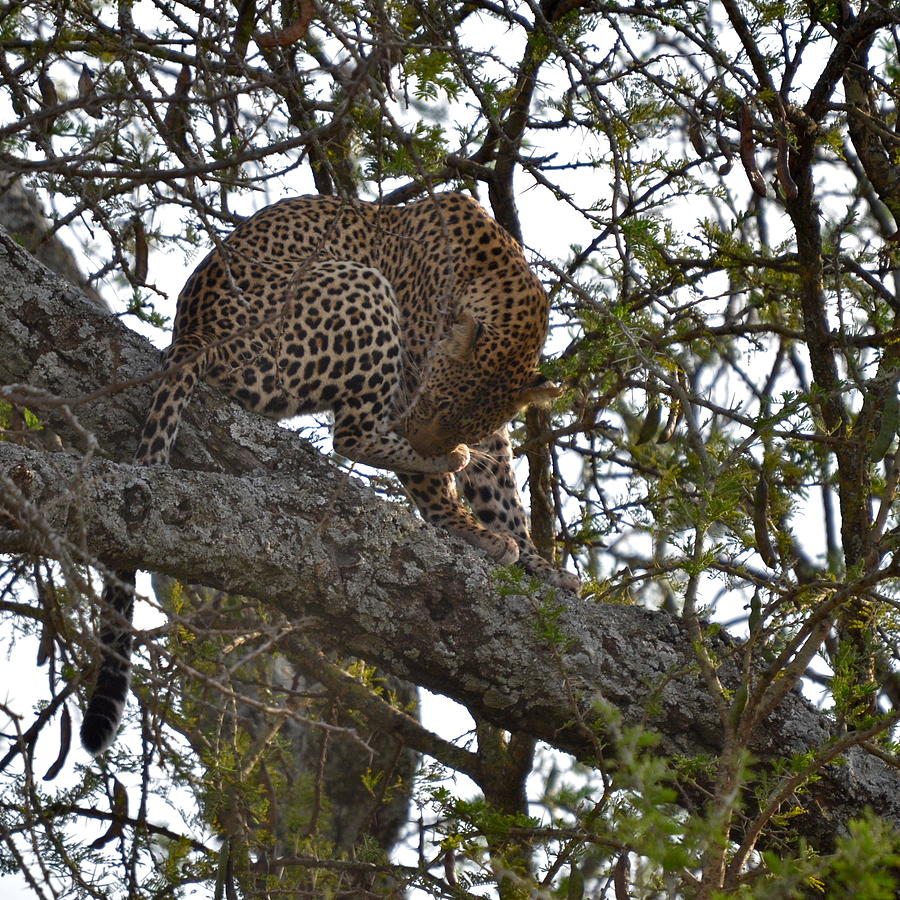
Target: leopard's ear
[[464, 336], [540, 391]]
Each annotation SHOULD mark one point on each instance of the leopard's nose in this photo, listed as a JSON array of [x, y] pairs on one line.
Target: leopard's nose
[[429, 440]]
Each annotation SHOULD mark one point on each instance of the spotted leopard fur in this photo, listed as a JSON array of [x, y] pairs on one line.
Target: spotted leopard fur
[[419, 327]]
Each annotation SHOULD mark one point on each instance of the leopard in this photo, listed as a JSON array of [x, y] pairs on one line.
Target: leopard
[[419, 327]]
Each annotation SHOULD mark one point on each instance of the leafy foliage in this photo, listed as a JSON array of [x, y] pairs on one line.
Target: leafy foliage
[[709, 193]]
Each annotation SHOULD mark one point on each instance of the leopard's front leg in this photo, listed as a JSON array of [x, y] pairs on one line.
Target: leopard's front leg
[[438, 502], [489, 485], [357, 437]]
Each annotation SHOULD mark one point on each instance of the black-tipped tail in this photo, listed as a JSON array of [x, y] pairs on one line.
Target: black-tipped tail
[[107, 700]]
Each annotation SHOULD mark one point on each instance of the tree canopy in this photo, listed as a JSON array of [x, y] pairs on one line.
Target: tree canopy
[[709, 193]]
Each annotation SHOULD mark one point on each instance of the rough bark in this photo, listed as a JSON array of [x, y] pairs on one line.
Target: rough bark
[[377, 582], [23, 217]]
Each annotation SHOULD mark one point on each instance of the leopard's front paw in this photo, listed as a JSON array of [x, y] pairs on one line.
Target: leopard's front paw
[[565, 580], [501, 548], [540, 568], [458, 458]]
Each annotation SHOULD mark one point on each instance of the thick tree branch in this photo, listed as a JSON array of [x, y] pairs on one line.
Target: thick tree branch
[[381, 584]]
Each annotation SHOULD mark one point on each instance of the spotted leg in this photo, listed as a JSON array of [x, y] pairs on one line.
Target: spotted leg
[[489, 485], [329, 338], [357, 437], [438, 502]]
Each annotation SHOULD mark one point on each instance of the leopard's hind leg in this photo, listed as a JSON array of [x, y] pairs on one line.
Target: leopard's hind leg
[[365, 388]]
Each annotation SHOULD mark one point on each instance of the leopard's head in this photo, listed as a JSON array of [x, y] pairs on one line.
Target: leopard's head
[[473, 385]]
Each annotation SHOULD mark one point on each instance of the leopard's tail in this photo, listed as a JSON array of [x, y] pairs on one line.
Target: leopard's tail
[[184, 364], [107, 701]]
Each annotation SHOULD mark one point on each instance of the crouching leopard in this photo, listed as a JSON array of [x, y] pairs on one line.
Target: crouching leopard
[[418, 326]]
